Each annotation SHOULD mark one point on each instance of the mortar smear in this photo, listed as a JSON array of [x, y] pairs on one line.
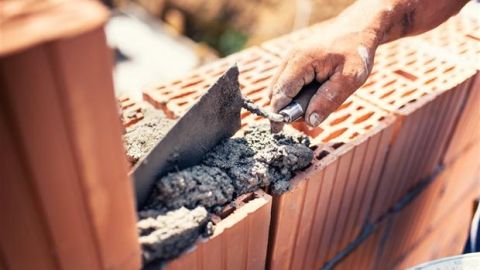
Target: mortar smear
[[144, 135], [166, 235], [234, 167]]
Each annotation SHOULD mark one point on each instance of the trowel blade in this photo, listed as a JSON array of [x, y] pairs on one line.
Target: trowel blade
[[214, 117]]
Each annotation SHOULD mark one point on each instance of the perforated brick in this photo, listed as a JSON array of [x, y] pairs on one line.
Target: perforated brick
[[239, 240], [329, 202], [256, 71], [460, 36], [131, 111], [426, 91]]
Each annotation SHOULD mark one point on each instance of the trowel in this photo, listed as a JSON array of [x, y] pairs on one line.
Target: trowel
[[214, 117]]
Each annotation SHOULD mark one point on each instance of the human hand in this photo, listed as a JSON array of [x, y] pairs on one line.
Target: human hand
[[341, 59]]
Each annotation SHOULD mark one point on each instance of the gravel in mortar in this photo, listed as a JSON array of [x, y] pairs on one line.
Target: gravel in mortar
[[164, 236], [235, 167]]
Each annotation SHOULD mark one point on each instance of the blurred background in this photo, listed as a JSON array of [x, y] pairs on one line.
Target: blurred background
[[160, 40]]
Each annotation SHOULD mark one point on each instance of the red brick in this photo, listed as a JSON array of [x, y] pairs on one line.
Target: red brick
[[310, 221], [64, 123], [426, 91], [239, 240]]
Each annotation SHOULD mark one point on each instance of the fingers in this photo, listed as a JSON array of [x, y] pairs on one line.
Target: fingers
[[328, 98], [293, 74]]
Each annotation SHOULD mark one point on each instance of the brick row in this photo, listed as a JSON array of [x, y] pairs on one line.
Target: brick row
[[130, 111], [329, 202], [239, 241], [66, 194], [446, 239], [454, 186], [256, 71], [426, 92]]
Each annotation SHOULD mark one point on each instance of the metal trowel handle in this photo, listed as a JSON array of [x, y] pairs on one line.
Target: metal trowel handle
[[297, 108]]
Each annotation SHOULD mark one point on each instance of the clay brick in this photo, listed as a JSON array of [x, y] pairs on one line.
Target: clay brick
[[459, 36], [456, 185], [311, 221], [239, 240], [256, 66], [131, 111], [64, 123], [446, 239], [426, 92], [366, 255], [467, 131]]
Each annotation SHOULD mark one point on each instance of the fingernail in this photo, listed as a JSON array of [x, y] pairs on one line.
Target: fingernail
[[314, 119]]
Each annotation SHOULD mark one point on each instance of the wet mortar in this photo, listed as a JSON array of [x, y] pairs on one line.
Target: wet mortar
[[140, 139], [176, 213]]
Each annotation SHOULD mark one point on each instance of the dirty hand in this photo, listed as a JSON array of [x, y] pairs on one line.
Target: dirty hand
[[339, 58]]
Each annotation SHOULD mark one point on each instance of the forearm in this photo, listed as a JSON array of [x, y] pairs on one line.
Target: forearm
[[389, 20]]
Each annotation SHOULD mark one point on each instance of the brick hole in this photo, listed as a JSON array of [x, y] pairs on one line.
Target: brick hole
[[369, 83], [470, 36], [337, 145], [218, 73], [183, 94], [409, 92], [411, 62], [340, 119], [344, 105], [432, 69], [381, 118], [354, 135], [449, 69], [430, 60], [360, 107], [176, 82], [256, 90], [182, 103], [363, 118], [268, 68], [246, 70], [431, 80], [411, 53], [389, 64], [334, 135], [244, 114], [389, 83], [255, 100], [387, 94], [368, 127], [406, 75], [322, 154], [251, 60], [309, 131], [262, 79], [239, 202]]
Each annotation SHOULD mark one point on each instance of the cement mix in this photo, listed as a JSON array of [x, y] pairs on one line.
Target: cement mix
[[140, 139], [164, 236], [234, 167]]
